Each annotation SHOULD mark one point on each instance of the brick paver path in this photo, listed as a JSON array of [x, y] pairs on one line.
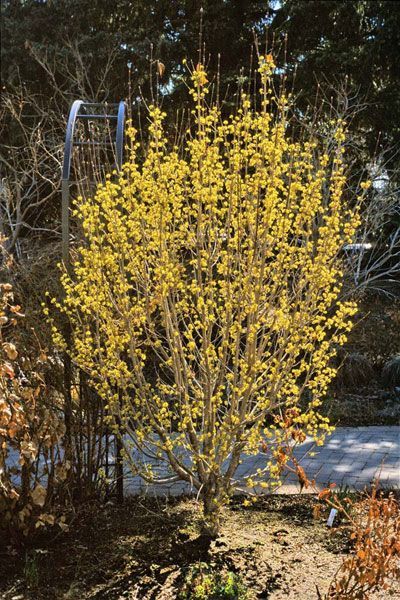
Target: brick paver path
[[351, 456]]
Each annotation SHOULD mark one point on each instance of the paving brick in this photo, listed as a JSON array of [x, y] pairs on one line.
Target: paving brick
[[351, 457]]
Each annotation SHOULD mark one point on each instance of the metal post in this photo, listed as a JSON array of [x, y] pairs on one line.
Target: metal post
[[66, 171], [119, 142], [119, 446], [119, 461], [65, 224], [65, 257]]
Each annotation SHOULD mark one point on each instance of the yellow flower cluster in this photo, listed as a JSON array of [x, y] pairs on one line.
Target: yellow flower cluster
[[207, 287]]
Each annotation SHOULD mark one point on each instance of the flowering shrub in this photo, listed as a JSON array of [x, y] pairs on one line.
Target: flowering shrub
[[30, 431], [207, 290]]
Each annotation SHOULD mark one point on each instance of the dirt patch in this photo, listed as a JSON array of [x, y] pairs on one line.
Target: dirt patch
[[144, 549]]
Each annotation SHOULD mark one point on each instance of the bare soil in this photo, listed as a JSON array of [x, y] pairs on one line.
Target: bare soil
[[143, 550]]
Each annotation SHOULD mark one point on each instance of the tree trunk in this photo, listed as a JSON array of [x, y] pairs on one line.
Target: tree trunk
[[212, 506]]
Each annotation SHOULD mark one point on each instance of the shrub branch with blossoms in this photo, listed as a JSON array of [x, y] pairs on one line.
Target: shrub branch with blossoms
[[207, 289]]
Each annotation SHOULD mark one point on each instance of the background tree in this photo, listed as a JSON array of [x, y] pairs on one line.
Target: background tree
[[53, 55], [354, 40]]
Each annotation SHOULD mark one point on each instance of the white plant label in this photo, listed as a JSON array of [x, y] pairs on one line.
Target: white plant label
[[331, 517]]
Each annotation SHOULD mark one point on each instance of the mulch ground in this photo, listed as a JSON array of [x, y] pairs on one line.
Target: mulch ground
[[144, 549]]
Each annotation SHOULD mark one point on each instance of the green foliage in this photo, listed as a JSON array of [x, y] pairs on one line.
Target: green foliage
[[205, 583], [358, 40], [354, 40], [171, 28]]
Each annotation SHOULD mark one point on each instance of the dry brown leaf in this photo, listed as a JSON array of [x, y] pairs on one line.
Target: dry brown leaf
[[10, 350], [160, 68], [38, 495]]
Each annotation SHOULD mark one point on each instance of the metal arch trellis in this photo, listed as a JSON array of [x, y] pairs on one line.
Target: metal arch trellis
[[74, 115], [87, 112]]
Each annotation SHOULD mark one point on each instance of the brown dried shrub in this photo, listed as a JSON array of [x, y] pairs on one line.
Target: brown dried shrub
[[374, 531]]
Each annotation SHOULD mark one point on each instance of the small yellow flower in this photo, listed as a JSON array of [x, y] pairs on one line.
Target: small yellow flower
[[199, 75], [365, 185]]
